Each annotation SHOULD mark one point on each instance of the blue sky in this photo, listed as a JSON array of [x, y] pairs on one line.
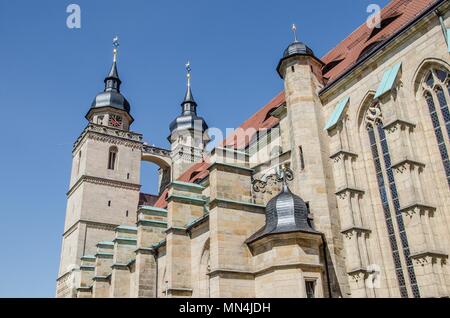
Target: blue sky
[[50, 74]]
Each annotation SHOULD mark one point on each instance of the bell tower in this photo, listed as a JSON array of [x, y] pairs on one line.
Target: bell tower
[[188, 133], [105, 180]]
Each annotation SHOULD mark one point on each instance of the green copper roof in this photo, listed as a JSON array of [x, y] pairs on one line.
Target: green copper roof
[[337, 113], [388, 80]]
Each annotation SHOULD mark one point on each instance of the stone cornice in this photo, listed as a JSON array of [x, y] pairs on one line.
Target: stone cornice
[[342, 193], [420, 256], [146, 251], [99, 225], [125, 240], [178, 185], [152, 211], [154, 223], [109, 135], [176, 230], [226, 167], [411, 208], [342, 153], [186, 199], [356, 229], [401, 165], [237, 205], [101, 278], [392, 126], [197, 222], [105, 182]]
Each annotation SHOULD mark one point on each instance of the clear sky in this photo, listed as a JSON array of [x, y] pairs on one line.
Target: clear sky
[[49, 75]]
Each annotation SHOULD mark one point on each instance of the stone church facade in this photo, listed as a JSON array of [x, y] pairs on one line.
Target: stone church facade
[[338, 187]]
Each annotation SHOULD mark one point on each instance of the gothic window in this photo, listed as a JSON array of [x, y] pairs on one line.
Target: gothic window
[[112, 158], [389, 198], [436, 93]]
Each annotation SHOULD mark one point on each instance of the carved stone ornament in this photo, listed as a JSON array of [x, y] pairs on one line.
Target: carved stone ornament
[[374, 115], [272, 179]]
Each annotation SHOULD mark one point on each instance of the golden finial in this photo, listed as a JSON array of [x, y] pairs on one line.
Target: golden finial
[[116, 46], [294, 30], [188, 74]]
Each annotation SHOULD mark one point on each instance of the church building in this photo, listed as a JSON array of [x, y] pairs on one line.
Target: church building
[[337, 187]]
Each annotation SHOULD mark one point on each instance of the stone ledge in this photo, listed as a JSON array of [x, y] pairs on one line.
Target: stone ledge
[[399, 121], [87, 268], [186, 185], [146, 251], [159, 244], [101, 278], [197, 222], [343, 152], [104, 255], [342, 191], [84, 288], [417, 205], [185, 199], [119, 266], [105, 244], [155, 223], [125, 240], [236, 168], [407, 161], [88, 258], [237, 205], [176, 230], [432, 254], [358, 229], [151, 210], [126, 229]]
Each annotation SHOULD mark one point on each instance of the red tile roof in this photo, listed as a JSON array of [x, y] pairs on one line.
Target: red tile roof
[[400, 12]]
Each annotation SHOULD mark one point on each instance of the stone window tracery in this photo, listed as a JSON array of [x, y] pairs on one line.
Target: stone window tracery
[[436, 91], [389, 198]]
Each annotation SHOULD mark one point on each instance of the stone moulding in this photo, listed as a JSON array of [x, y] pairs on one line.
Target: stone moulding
[[101, 278], [159, 244], [125, 240], [126, 229], [392, 126], [237, 205], [342, 153], [342, 193], [154, 223], [88, 258], [186, 199], [357, 229], [105, 182], [120, 266], [421, 257], [411, 208], [146, 251], [105, 244], [104, 255], [197, 222], [230, 167], [186, 186], [401, 165], [87, 268], [109, 134], [176, 230], [152, 211]]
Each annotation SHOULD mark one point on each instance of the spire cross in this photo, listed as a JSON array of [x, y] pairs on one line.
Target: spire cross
[[116, 45], [294, 30], [188, 75]]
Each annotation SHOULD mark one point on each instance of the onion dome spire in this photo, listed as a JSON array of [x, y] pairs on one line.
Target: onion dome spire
[[111, 96], [189, 105]]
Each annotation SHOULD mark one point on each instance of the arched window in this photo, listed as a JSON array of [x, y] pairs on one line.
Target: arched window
[[112, 158], [389, 198], [436, 88]]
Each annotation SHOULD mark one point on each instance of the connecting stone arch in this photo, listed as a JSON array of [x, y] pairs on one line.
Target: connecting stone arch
[[161, 158]]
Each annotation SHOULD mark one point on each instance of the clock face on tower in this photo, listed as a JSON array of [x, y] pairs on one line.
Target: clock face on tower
[[115, 120]]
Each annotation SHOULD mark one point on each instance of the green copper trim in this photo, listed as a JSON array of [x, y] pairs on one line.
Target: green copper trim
[[151, 210], [187, 185], [125, 240], [155, 223], [126, 228], [185, 199]]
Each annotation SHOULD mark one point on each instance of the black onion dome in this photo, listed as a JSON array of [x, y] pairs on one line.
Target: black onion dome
[[297, 48], [188, 120], [285, 213], [111, 96]]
